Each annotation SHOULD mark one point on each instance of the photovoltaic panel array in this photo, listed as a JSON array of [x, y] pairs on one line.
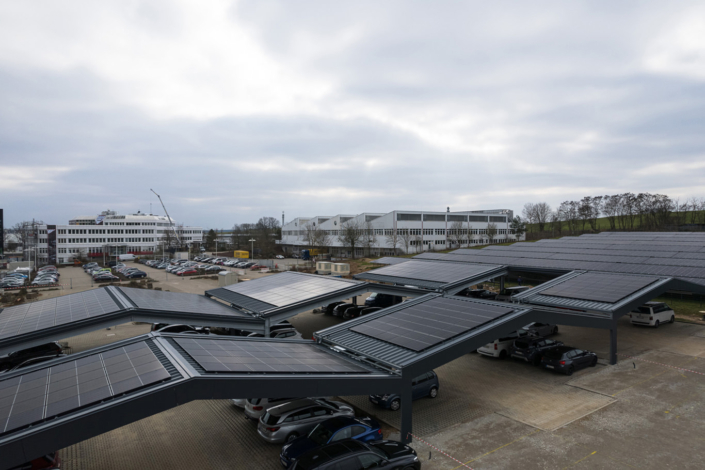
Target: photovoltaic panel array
[[289, 288], [426, 324], [429, 271], [264, 357], [599, 287], [178, 302], [390, 260], [55, 390], [34, 316]]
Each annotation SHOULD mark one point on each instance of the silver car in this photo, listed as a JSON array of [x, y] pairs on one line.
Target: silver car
[[256, 407], [284, 423], [239, 402]]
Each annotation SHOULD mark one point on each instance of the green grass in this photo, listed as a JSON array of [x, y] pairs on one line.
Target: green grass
[[684, 305]]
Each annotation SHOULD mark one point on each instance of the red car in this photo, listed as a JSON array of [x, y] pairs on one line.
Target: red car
[[188, 271], [47, 462], [258, 266]]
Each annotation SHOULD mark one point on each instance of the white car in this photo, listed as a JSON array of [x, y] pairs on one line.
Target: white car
[[279, 257], [256, 407], [239, 402], [653, 314], [500, 347]]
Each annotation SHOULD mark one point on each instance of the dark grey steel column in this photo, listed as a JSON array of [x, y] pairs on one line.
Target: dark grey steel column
[[501, 284], [406, 412], [266, 328], [613, 344]]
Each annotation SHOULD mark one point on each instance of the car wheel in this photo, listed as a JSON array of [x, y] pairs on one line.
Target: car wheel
[[657, 324], [503, 354], [291, 437], [395, 405], [433, 393], [673, 319], [594, 362], [570, 370], [555, 330]]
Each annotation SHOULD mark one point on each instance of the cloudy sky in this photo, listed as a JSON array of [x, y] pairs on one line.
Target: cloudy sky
[[233, 110]]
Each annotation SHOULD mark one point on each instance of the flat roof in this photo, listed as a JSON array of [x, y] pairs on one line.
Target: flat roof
[[431, 274]]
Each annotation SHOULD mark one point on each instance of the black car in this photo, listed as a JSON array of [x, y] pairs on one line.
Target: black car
[[567, 360], [531, 349], [352, 454], [353, 312], [136, 274], [15, 358], [367, 310], [382, 300], [339, 310], [328, 309], [479, 294]]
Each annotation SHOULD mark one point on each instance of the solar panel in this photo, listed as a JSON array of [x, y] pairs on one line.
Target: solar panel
[[178, 302], [599, 287], [60, 310], [390, 260], [52, 391], [431, 271], [264, 357], [426, 324], [289, 288]]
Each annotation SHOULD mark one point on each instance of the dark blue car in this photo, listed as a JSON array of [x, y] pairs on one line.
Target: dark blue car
[[425, 385], [331, 430]]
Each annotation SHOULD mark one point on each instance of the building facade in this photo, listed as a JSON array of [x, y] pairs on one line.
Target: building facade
[[108, 234], [399, 231]]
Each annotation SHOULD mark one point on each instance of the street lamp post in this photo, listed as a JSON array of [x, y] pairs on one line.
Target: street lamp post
[[252, 243]]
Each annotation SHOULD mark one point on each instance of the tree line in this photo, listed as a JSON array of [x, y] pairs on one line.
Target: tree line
[[265, 233], [627, 211]]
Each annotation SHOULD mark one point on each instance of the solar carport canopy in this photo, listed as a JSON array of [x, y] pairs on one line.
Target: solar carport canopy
[[280, 291], [431, 274], [673, 256]]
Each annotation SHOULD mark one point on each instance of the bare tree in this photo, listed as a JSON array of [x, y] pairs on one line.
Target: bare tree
[[556, 223], [393, 240], [405, 237], [369, 239], [491, 231], [610, 208], [529, 212], [455, 235], [596, 204], [350, 235], [543, 212], [418, 242]]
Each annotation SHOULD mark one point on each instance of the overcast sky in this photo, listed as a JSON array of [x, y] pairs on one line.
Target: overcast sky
[[236, 110]]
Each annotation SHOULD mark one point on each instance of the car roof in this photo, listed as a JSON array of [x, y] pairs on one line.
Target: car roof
[[331, 451], [339, 422], [291, 406]]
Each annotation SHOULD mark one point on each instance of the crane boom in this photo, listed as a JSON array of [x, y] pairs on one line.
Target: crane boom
[[171, 223]]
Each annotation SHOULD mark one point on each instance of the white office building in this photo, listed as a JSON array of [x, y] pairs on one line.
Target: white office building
[[108, 234], [412, 231]]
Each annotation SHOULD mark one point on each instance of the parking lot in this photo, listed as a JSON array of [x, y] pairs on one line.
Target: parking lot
[[645, 412]]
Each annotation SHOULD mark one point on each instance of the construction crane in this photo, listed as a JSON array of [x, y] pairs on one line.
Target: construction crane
[[171, 223]]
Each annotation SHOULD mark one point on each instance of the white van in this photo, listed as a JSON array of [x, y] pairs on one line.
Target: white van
[[128, 257], [652, 314]]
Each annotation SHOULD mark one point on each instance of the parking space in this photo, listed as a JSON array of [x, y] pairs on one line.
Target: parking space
[[489, 413]]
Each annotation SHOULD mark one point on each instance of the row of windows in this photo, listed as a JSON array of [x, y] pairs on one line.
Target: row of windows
[[73, 241]]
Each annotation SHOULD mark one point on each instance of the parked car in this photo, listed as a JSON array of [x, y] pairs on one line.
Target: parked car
[[279, 257], [106, 277], [339, 310], [367, 310], [353, 312], [33, 361], [257, 407], [44, 282], [182, 329], [425, 385], [652, 314], [239, 402], [479, 294], [507, 293], [352, 454], [213, 269], [89, 265], [257, 267], [14, 358], [541, 329], [188, 271], [134, 275], [331, 430], [279, 334], [500, 347], [286, 422], [568, 360], [376, 299], [50, 461], [531, 349]]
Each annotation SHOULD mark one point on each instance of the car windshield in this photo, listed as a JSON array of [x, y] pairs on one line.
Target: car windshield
[[372, 295], [320, 435], [555, 354], [521, 344], [644, 309]]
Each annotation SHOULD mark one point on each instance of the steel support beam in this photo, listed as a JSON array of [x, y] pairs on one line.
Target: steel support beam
[[501, 284], [613, 344], [406, 410]]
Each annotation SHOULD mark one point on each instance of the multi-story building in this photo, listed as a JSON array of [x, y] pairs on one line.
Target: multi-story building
[[400, 231], [108, 234]]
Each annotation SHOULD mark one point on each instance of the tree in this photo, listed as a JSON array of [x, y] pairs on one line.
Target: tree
[[406, 238], [556, 223], [543, 212], [211, 237], [418, 242], [518, 227], [610, 207], [267, 232], [456, 233], [491, 231], [393, 240], [350, 235], [369, 239], [529, 212]]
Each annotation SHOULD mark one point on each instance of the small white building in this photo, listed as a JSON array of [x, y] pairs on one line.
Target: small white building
[[108, 233], [411, 231]]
